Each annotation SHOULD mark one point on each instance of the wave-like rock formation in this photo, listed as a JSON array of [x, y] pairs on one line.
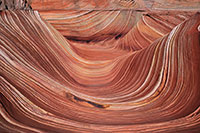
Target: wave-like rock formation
[[87, 4], [98, 70]]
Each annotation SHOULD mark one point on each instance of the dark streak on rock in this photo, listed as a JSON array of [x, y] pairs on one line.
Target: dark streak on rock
[[95, 104], [77, 99], [118, 36]]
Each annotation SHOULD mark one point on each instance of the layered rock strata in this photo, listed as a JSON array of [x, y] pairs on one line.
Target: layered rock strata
[[99, 70]]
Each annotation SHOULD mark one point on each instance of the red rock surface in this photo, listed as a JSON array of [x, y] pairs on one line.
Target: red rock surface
[[99, 66]]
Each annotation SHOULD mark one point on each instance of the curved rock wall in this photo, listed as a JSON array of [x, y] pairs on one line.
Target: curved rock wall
[[99, 71]]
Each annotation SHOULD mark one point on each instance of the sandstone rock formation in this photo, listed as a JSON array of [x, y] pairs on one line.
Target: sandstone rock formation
[[99, 66]]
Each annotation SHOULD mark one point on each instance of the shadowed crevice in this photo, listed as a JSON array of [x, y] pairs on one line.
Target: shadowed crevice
[[76, 99]]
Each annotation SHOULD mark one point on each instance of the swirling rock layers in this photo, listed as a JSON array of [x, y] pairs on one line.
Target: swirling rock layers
[[147, 80]]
